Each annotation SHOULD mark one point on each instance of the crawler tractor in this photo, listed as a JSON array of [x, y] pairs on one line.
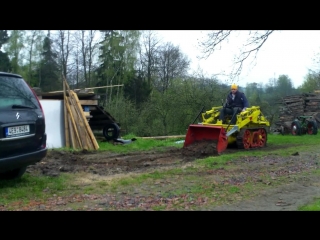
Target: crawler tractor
[[250, 130]]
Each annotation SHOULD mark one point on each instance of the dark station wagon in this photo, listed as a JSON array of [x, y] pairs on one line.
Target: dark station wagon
[[22, 127]]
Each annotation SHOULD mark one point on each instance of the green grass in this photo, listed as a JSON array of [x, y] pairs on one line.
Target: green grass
[[315, 206], [138, 145], [31, 187], [233, 189], [307, 139], [141, 144]]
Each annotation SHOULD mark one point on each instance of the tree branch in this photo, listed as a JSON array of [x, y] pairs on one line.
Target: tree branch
[[214, 40], [253, 44]]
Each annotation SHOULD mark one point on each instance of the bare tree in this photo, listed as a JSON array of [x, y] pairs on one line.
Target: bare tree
[[64, 49], [171, 63], [148, 54], [85, 48], [75, 75], [88, 47], [254, 42], [34, 40]]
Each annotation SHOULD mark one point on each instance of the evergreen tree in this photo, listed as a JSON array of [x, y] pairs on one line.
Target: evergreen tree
[[3, 37], [49, 79], [5, 64], [118, 57], [111, 52], [137, 90]]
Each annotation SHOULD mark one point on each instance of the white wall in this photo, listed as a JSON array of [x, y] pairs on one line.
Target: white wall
[[54, 117]]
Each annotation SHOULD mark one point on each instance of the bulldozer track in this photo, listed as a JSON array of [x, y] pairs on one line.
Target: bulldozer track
[[249, 138]]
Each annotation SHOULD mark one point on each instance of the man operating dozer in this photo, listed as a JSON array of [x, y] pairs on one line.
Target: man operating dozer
[[235, 103]]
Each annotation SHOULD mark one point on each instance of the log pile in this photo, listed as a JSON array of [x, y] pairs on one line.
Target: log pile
[[290, 107], [78, 134]]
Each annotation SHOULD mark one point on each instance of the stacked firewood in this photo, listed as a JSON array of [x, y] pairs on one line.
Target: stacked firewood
[[312, 104], [291, 107]]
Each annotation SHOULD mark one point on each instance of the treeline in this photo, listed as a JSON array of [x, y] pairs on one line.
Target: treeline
[[154, 94]]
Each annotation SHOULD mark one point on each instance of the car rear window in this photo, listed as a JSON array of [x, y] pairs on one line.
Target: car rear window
[[15, 91]]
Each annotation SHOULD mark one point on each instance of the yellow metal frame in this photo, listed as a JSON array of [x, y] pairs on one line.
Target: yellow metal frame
[[250, 118]]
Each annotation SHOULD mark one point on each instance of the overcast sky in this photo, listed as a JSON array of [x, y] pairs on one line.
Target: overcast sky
[[285, 52]]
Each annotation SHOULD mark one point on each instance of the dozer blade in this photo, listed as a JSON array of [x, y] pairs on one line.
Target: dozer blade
[[198, 132]]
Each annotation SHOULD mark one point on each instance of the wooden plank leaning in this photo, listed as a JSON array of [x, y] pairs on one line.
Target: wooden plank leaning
[[66, 124], [92, 137], [74, 125], [80, 124], [74, 135], [73, 143]]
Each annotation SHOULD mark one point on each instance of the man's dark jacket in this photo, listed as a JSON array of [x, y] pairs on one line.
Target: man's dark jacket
[[240, 100]]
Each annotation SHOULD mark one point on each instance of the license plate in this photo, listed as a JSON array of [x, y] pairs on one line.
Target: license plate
[[17, 130]]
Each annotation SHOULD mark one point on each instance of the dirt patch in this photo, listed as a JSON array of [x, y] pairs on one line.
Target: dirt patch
[[298, 190], [200, 149], [104, 163]]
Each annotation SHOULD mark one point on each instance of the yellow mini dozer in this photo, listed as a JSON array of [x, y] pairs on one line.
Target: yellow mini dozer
[[250, 130]]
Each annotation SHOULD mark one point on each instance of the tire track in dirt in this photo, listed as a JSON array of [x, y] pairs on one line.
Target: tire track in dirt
[[284, 198]]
